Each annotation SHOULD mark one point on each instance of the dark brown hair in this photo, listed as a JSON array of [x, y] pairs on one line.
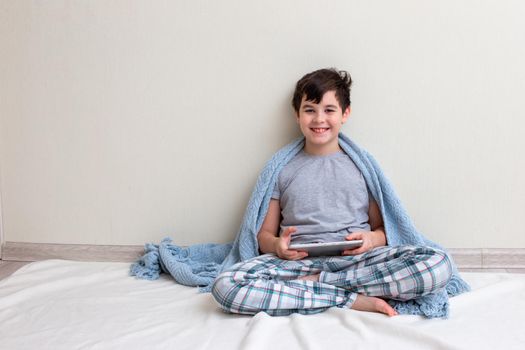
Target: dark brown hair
[[315, 84]]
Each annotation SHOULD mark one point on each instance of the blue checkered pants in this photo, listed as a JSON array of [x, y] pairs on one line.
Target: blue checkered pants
[[267, 283]]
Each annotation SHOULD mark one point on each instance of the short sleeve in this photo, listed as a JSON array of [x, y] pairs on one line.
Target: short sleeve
[[276, 194]]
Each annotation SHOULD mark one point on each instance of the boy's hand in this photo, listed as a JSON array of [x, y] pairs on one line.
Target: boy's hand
[[371, 240], [282, 243]]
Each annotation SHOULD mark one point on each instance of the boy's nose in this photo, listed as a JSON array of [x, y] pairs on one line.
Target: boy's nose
[[319, 116]]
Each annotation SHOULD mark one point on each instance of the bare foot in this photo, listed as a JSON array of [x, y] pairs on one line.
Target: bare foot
[[373, 304], [314, 278]]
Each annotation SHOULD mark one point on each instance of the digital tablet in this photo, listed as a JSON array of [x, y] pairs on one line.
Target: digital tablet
[[329, 248]]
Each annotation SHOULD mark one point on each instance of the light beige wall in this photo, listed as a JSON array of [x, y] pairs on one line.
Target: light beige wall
[[126, 121]]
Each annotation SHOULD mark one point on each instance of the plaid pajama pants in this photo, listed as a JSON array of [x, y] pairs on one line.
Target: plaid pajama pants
[[267, 283]]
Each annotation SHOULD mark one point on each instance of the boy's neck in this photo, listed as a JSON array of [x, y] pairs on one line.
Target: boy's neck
[[321, 151]]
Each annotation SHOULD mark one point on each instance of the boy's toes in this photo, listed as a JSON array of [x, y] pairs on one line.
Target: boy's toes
[[385, 308], [373, 304]]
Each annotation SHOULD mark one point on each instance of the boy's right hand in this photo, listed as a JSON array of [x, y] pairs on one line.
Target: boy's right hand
[[282, 244]]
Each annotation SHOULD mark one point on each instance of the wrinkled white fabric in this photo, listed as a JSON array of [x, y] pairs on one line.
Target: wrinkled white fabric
[[59, 304]]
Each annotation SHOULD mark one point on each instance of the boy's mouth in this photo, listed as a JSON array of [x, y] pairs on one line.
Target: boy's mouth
[[319, 130]]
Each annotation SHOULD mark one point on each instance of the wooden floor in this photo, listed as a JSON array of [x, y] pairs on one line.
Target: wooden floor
[[8, 267]]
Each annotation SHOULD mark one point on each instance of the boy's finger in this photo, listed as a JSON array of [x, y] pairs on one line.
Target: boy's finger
[[356, 251], [299, 256], [287, 235], [289, 231], [295, 254], [354, 236]]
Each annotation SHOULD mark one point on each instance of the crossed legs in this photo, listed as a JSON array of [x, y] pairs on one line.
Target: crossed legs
[[281, 287]]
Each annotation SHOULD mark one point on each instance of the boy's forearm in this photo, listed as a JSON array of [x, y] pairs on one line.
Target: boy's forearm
[[266, 241], [379, 236]]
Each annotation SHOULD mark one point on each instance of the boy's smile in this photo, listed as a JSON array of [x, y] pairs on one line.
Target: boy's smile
[[320, 124]]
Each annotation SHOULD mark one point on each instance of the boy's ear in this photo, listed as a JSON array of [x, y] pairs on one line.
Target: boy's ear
[[346, 114]]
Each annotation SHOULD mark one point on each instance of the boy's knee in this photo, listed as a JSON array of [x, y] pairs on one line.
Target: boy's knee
[[442, 270], [230, 290], [222, 288], [433, 274]]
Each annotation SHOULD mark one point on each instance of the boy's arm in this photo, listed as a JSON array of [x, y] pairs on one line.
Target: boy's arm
[[376, 224], [267, 236], [371, 239]]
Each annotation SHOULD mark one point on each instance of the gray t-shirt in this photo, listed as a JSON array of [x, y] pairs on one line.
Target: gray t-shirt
[[325, 197]]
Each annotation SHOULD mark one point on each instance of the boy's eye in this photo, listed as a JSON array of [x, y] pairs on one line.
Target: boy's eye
[[330, 111]]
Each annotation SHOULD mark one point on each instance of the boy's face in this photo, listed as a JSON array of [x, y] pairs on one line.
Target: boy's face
[[320, 123]]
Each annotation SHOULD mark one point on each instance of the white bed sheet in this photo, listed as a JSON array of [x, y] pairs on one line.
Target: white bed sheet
[[59, 304]]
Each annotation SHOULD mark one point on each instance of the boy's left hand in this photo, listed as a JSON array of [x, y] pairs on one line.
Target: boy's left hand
[[371, 240]]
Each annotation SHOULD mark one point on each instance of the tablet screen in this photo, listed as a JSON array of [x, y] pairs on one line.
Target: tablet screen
[[329, 248]]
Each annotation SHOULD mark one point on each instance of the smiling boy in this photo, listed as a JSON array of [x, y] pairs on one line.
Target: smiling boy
[[321, 196]]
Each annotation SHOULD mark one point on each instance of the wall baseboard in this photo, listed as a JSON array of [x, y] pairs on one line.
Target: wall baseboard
[[465, 258], [15, 251]]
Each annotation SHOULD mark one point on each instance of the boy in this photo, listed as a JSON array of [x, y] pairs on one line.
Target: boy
[[321, 196]]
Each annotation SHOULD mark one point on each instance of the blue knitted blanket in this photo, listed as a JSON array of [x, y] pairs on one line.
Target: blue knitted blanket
[[199, 265]]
